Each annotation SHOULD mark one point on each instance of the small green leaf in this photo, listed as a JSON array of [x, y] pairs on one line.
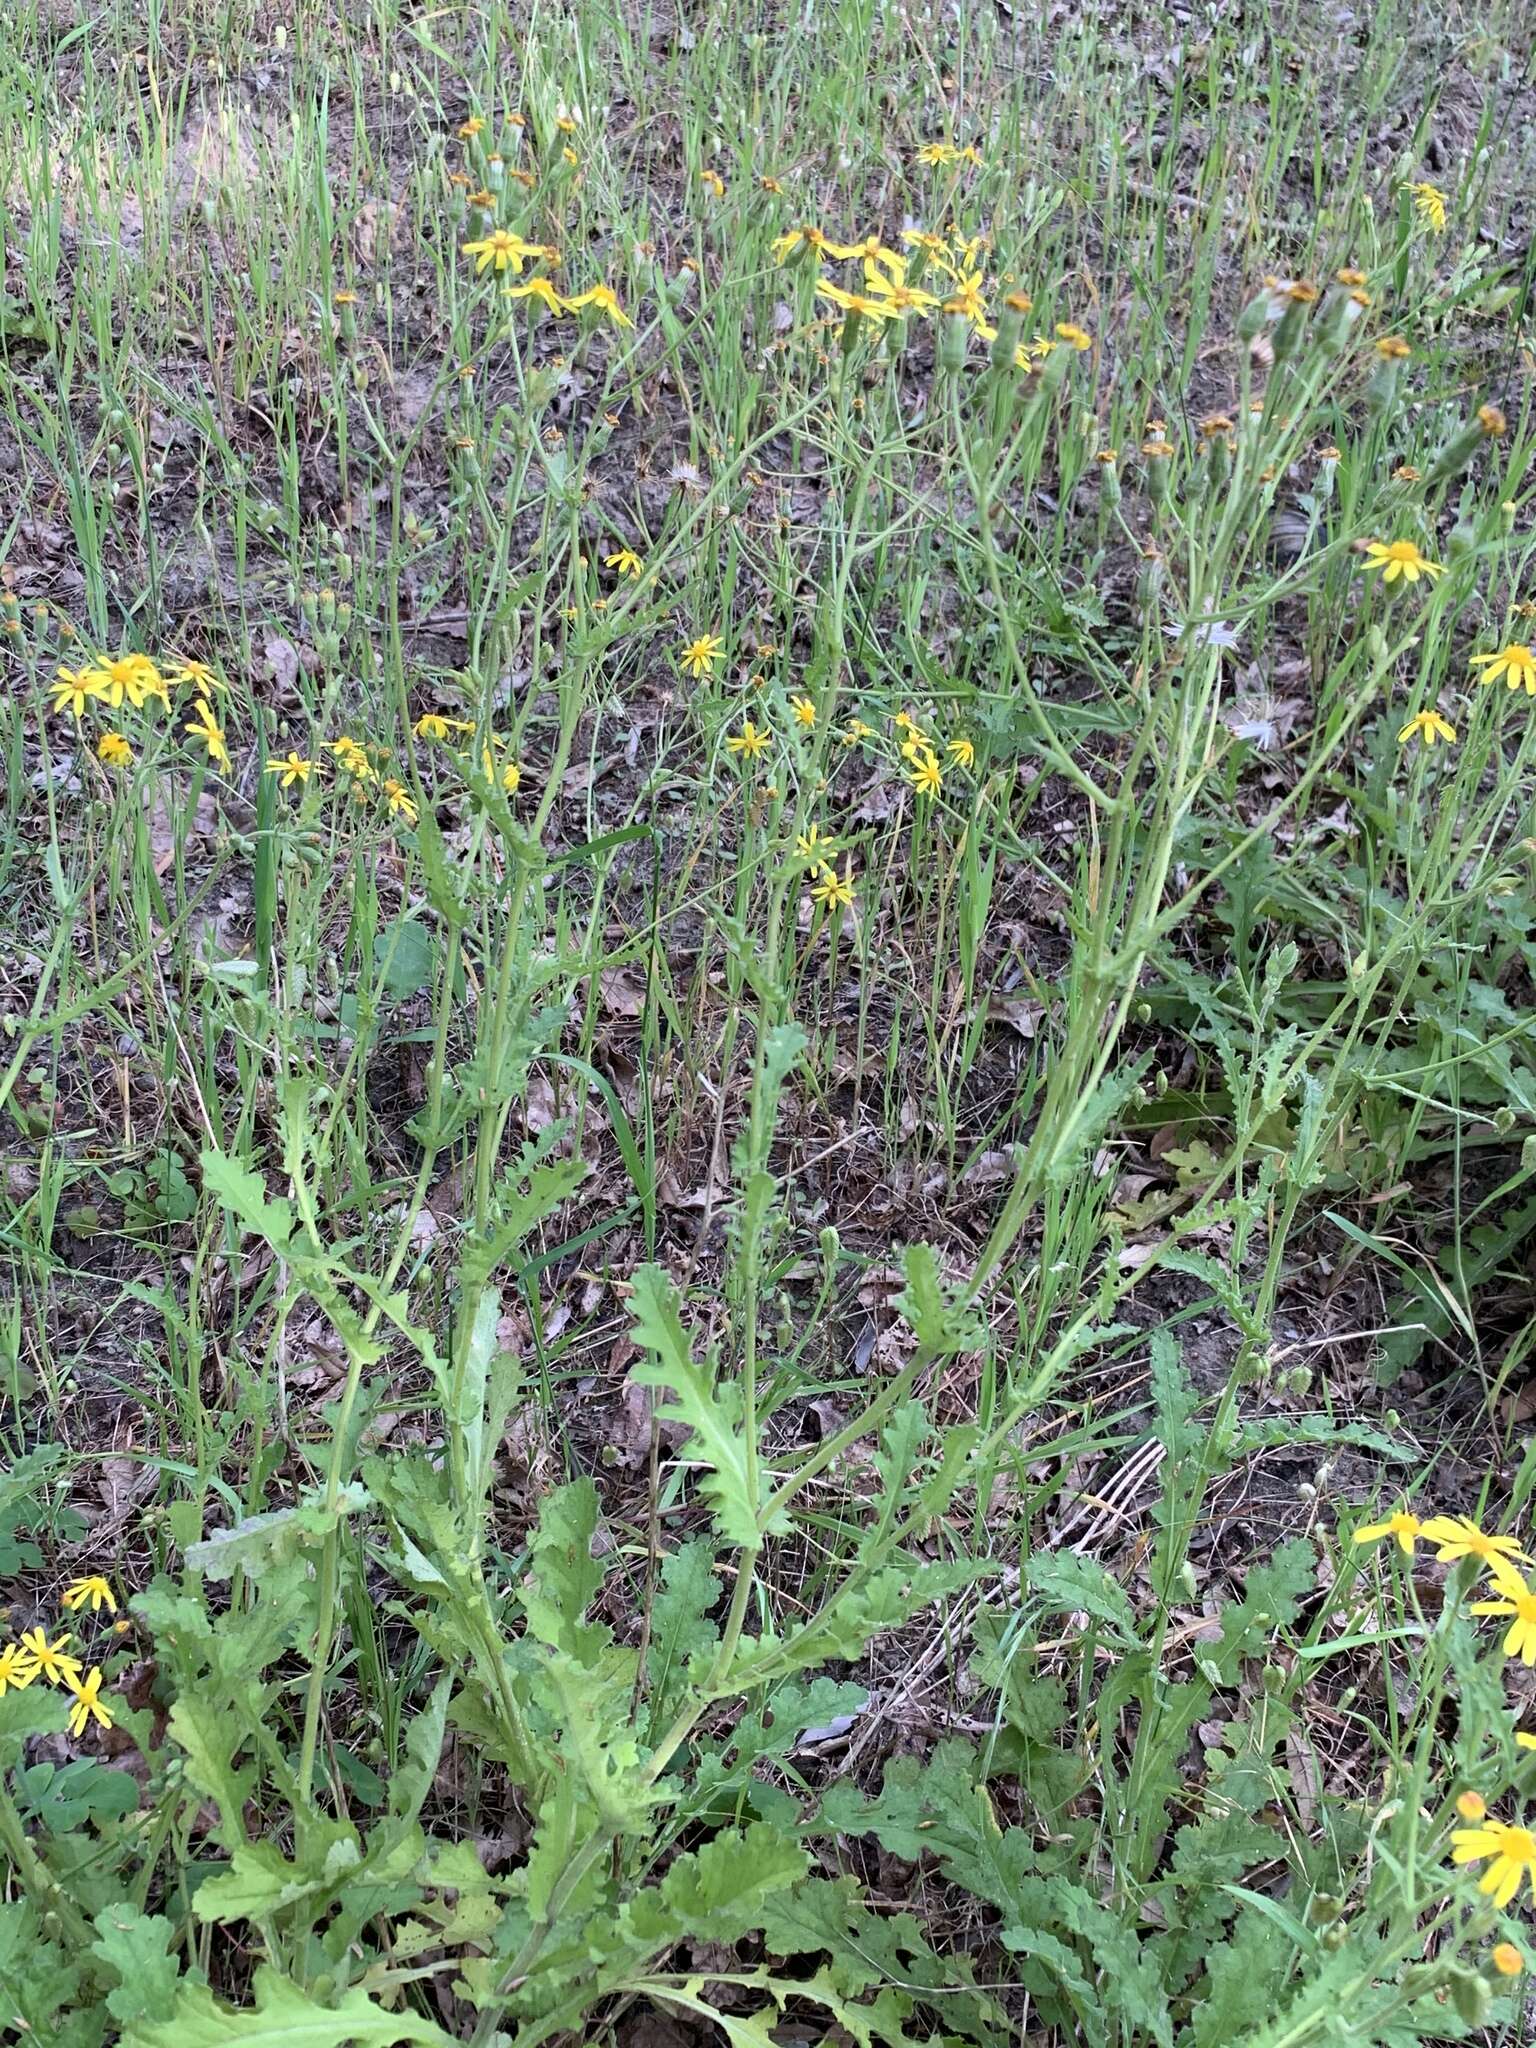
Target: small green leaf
[[713, 1412]]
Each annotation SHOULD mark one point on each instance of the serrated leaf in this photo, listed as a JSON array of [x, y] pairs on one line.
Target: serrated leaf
[[1070, 1584], [258, 1544], [682, 1632], [938, 1325], [243, 1192], [717, 1893], [282, 2016], [209, 1740], [565, 1576], [713, 1413], [866, 1607]]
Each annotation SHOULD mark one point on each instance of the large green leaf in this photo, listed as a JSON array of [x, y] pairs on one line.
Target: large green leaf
[[283, 2017], [714, 1413]]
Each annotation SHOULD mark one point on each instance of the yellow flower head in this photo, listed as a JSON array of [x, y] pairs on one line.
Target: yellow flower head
[[804, 710], [856, 730], [785, 245], [350, 756], [748, 743], [1516, 663], [605, 299], [1400, 558], [1427, 726], [833, 891], [1401, 1527], [1513, 1854], [130, 676], [511, 777], [815, 845], [699, 656], [855, 302], [926, 777], [967, 300], [401, 804], [17, 1669], [1506, 1959], [538, 288], [113, 751], [1472, 1806], [468, 130], [961, 751], [1074, 337], [1393, 349], [205, 727], [71, 692], [625, 561], [199, 674], [290, 769], [1429, 205], [935, 153], [713, 182], [1459, 1536], [49, 1658], [1518, 1601], [437, 725], [501, 250], [885, 278], [87, 1707], [94, 1592]]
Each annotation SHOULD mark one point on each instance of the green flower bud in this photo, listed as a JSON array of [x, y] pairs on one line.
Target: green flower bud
[[1488, 425], [1010, 331], [954, 342], [1108, 461], [1292, 330]]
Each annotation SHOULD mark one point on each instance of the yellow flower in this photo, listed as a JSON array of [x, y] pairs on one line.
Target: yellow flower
[[785, 245], [855, 302], [1402, 1527], [1524, 1741], [1396, 558], [961, 751], [49, 1658], [831, 890], [1516, 663], [925, 777], [511, 777], [198, 673], [626, 562], [501, 249], [606, 301], [87, 1707], [1506, 1959], [133, 676], [935, 153], [73, 692], [870, 248], [436, 725], [1513, 1851], [1427, 726], [699, 656], [1393, 349], [1074, 337], [918, 238], [749, 742], [966, 298], [291, 768], [93, 1591], [1472, 1806], [113, 751], [815, 845], [349, 755], [468, 130], [536, 288], [1459, 1536], [856, 730], [399, 800], [714, 182], [205, 727], [567, 118], [1517, 1600], [1429, 205], [892, 289], [804, 710], [570, 157], [17, 1669]]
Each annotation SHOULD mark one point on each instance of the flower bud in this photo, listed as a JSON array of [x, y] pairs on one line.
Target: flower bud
[[1108, 461], [1010, 330], [954, 341], [1381, 392], [1488, 424], [1291, 332], [1158, 455], [1255, 316]]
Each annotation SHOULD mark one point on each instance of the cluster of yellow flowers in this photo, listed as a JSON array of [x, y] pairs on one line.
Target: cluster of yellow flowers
[[1509, 1851], [1516, 661], [502, 250], [110, 681], [33, 1657], [892, 287]]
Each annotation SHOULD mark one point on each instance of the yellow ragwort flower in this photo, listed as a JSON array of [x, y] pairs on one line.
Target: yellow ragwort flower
[[605, 299], [1401, 1527], [511, 777], [93, 1591], [1517, 1600], [815, 845], [468, 130], [833, 891], [290, 769], [49, 1658], [855, 302], [785, 245], [1429, 205], [17, 1669], [961, 751], [130, 676], [713, 182], [749, 742], [113, 751], [804, 710], [205, 727], [71, 692], [1459, 1536], [1513, 1851], [1506, 1959], [87, 1707], [436, 725], [501, 250], [398, 797], [1516, 663], [699, 656], [1472, 1806], [856, 730], [625, 561], [933, 154], [198, 673], [1073, 336], [885, 278], [538, 288], [1427, 726], [1400, 558], [926, 777], [350, 756]]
